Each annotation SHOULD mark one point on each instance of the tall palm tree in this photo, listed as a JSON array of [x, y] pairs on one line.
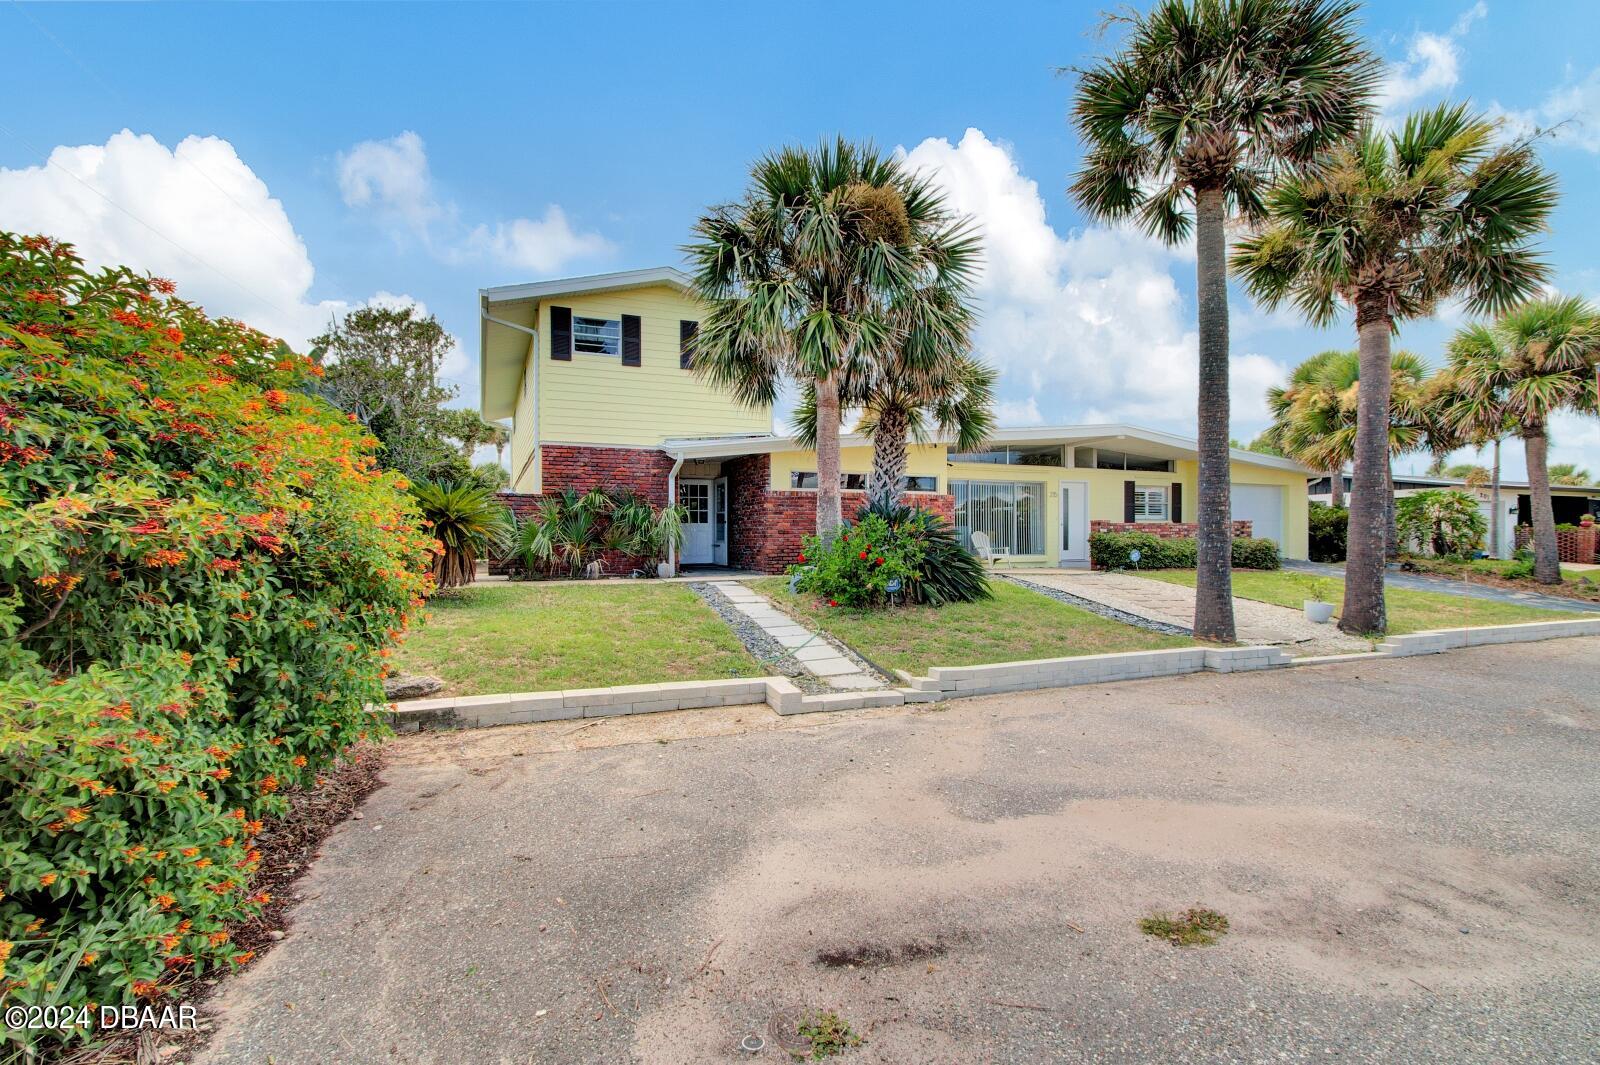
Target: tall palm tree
[[1203, 103], [810, 275], [1392, 222], [956, 397], [1315, 418], [1535, 360]]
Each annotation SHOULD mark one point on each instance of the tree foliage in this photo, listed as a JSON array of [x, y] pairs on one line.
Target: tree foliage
[[382, 365], [1442, 521], [202, 570]]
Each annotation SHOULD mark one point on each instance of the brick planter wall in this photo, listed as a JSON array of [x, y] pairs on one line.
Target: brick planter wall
[[1164, 530], [1573, 545], [582, 468]]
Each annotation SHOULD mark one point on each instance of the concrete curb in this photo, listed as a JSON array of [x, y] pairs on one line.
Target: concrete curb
[[942, 682]]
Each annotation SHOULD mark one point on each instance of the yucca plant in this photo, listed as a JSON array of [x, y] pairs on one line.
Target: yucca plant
[[469, 522], [641, 530], [567, 533]]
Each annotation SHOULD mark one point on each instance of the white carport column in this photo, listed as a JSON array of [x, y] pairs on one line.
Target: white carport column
[[672, 498]]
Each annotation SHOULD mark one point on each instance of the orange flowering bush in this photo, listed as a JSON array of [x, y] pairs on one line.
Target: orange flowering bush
[[202, 571]]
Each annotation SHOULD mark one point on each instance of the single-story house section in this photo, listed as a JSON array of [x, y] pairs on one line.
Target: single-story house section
[[1569, 501], [596, 375]]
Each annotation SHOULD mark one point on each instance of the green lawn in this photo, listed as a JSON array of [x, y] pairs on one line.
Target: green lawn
[[1409, 611], [493, 638], [1016, 624]]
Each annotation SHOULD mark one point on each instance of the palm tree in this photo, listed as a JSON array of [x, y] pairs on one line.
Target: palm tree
[[1205, 101], [812, 276], [1393, 222], [956, 396], [1537, 359], [1315, 418], [469, 523], [1569, 473]]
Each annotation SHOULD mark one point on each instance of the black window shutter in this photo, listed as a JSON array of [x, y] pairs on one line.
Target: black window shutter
[[686, 334], [631, 348], [1127, 500], [1175, 512], [561, 333]]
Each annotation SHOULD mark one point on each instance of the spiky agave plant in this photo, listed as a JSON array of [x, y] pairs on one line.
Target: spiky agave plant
[[468, 521]]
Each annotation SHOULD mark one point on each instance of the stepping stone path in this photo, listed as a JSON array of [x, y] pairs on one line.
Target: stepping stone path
[[819, 655]]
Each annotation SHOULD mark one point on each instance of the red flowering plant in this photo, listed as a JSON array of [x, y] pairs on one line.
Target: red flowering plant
[[202, 572], [866, 564]]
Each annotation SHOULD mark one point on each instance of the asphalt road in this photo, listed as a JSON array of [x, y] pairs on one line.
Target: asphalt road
[[1408, 852]]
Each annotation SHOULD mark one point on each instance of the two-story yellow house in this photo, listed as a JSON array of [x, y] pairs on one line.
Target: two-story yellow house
[[596, 375]]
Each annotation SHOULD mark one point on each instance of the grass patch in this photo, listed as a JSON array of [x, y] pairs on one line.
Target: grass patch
[[1015, 625], [1194, 927], [1503, 573], [1409, 611], [828, 1033], [511, 637]]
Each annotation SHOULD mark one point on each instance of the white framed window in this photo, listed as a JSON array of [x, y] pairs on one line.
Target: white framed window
[[596, 336], [695, 499], [1149, 504], [857, 482]]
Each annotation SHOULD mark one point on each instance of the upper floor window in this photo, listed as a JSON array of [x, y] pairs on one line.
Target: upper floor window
[[596, 336]]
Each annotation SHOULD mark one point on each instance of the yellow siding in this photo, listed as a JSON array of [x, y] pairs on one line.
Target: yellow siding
[[596, 400], [522, 465], [1105, 486]]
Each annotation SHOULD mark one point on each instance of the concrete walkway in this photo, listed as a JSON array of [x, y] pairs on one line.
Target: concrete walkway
[[1173, 604], [819, 655], [1421, 583]]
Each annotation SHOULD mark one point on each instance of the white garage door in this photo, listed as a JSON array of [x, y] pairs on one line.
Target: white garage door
[[1262, 506]]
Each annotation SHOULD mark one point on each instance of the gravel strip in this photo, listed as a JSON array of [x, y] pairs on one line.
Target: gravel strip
[[1099, 608], [769, 652]]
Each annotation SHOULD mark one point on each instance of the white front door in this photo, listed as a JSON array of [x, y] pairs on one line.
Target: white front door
[[695, 499], [719, 521], [1074, 523]]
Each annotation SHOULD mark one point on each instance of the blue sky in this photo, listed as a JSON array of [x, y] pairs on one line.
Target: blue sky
[[286, 162]]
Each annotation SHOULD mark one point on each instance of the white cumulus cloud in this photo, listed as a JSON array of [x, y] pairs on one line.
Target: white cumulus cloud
[[1570, 113], [1087, 327], [391, 178], [1432, 64], [195, 213]]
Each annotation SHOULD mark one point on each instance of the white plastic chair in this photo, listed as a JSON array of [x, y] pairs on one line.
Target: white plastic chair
[[987, 551]]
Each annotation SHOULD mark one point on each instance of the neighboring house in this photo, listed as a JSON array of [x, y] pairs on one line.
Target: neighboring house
[[1570, 502], [595, 373]]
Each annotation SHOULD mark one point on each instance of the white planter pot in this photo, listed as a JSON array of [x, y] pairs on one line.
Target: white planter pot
[[1320, 613], [663, 570]]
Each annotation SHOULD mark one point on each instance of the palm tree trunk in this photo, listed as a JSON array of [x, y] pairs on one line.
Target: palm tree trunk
[[1546, 552], [888, 457], [1336, 487], [1364, 611], [1494, 504], [1213, 599], [1391, 528], [828, 504]]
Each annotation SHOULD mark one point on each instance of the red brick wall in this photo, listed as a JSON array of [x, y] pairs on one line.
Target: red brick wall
[[767, 525], [1573, 545], [582, 468], [1165, 530]]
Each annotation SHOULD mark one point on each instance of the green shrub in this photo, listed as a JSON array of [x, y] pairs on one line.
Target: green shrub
[[202, 571], [469, 523], [1441, 521], [570, 530], [948, 572], [1113, 550], [1329, 533], [1255, 553], [866, 564]]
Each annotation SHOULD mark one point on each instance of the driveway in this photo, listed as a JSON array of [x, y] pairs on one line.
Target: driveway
[[1173, 604], [1423, 583], [1407, 850]]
